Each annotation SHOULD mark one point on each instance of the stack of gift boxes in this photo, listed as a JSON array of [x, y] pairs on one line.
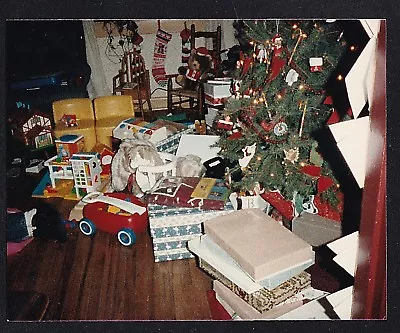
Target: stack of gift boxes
[[258, 265]]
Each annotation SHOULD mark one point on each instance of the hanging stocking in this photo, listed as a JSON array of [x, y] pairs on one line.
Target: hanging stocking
[[185, 36], [160, 53]]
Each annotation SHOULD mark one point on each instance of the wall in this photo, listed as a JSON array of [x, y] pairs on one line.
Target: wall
[[147, 29]]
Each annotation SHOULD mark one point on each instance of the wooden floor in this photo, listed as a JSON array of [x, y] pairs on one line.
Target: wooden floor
[[99, 279]]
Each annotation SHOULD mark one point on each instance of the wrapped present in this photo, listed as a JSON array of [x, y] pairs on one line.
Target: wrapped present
[[263, 299], [172, 227], [259, 244], [207, 193], [221, 261], [169, 255], [171, 143], [316, 230], [218, 88], [236, 305]]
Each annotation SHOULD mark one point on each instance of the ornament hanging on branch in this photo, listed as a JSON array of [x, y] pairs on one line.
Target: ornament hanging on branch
[[292, 155], [278, 60], [315, 64], [281, 128], [291, 77], [315, 157], [244, 62], [261, 53], [248, 153], [225, 124]]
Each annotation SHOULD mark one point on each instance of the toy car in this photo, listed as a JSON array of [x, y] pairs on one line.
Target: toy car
[[118, 213]]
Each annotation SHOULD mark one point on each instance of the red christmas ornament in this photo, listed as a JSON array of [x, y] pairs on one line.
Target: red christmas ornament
[[327, 211], [311, 170], [235, 136], [324, 183], [328, 100], [315, 64], [283, 206], [277, 61], [267, 126]]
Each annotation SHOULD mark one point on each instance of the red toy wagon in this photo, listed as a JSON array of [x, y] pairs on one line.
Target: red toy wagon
[[117, 213]]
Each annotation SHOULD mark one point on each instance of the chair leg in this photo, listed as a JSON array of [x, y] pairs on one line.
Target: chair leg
[[149, 106]]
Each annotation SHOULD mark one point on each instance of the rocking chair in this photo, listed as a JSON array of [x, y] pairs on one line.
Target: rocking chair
[[193, 101]]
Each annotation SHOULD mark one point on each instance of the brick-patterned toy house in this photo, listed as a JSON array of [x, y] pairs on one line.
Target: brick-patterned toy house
[[33, 128]]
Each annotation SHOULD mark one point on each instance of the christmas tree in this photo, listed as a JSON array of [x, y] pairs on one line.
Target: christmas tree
[[280, 103]]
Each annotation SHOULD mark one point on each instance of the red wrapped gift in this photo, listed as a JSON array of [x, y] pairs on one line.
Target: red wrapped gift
[[205, 193]]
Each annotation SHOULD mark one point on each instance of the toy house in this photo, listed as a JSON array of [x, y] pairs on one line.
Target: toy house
[[69, 144], [33, 128]]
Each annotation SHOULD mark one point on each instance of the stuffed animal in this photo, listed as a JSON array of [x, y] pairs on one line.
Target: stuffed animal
[[189, 166], [134, 153], [131, 154], [198, 70]]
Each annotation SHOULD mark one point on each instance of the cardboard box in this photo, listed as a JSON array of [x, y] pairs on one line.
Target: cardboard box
[[130, 127], [316, 230], [259, 244], [263, 299]]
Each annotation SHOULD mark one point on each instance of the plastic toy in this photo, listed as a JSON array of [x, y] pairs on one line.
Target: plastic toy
[[117, 213], [86, 169], [69, 144]]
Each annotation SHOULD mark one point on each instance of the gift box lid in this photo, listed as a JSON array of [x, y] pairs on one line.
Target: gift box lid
[[259, 244], [210, 193]]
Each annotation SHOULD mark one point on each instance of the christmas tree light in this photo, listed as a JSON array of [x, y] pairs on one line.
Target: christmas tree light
[[280, 105]]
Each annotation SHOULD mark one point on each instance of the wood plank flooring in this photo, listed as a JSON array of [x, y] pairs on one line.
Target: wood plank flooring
[[99, 279]]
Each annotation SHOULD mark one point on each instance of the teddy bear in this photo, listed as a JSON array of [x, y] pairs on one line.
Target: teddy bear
[[198, 69]]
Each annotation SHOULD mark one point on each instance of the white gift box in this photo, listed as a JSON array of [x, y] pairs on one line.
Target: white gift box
[[218, 88]]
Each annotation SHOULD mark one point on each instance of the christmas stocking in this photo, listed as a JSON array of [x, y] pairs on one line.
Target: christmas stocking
[[185, 36], [160, 53]]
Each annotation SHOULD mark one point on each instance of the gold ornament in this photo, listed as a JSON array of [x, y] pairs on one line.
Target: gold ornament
[[292, 155]]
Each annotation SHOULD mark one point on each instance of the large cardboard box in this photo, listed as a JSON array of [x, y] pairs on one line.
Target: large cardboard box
[[258, 243]]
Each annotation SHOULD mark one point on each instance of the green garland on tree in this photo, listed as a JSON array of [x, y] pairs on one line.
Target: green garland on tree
[[279, 106]]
